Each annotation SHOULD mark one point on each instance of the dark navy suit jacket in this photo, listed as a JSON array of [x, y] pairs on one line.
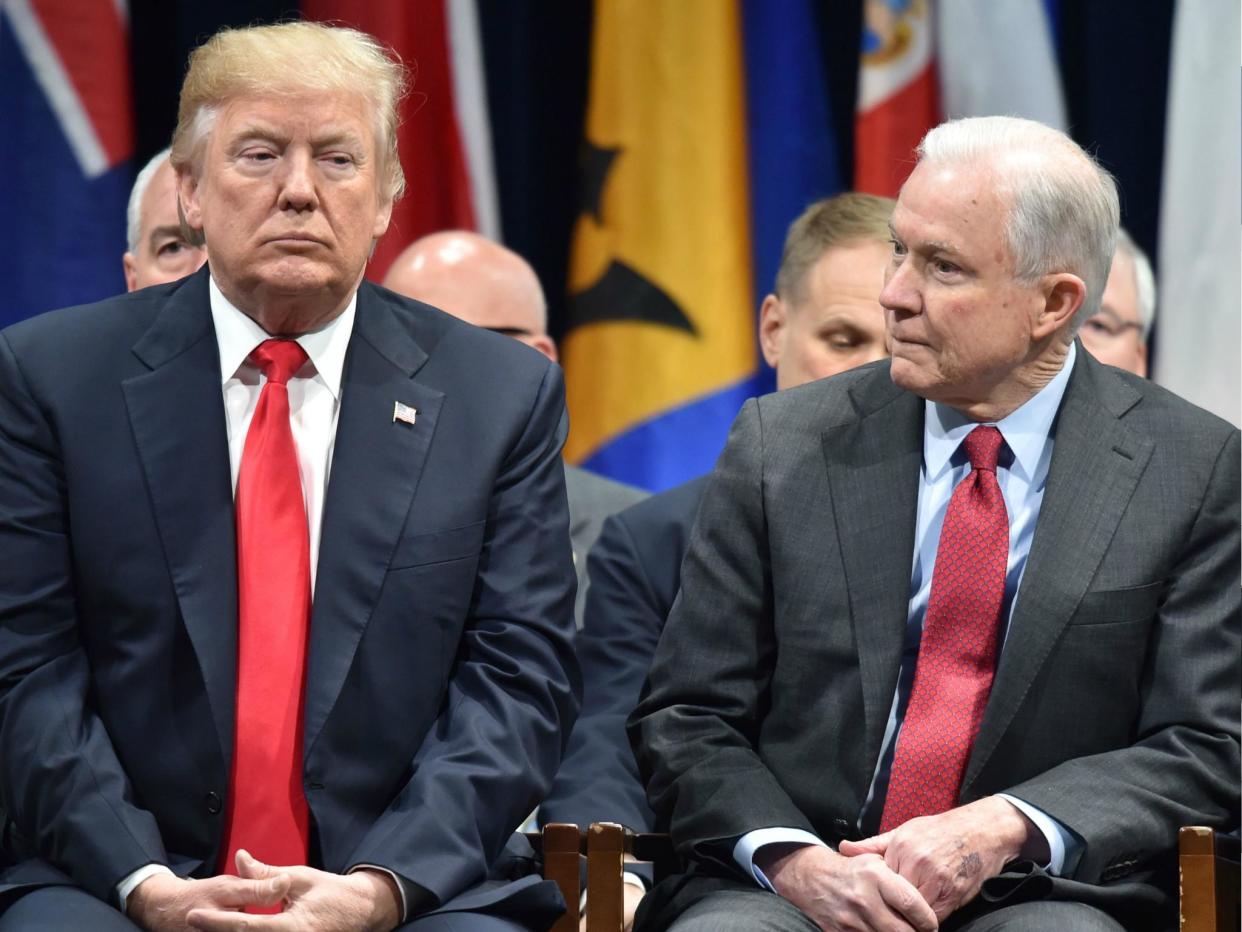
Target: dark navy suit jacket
[[635, 571], [441, 679]]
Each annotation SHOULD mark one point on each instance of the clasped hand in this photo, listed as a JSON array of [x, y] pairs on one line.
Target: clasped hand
[[313, 900], [907, 880]]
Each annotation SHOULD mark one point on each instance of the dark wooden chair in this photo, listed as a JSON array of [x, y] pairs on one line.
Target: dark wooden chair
[[1209, 869], [609, 846], [561, 846]]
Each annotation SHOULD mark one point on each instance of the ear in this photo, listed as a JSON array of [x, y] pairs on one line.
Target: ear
[[1063, 295], [382, 218], [129, 262], [187, 200], [773, 316], [543, 343]]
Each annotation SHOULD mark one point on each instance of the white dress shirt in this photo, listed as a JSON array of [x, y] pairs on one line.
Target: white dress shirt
[[314, 407], [1022, 474]]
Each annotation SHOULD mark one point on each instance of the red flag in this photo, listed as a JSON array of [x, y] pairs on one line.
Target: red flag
[[448, 179], [897, 99]]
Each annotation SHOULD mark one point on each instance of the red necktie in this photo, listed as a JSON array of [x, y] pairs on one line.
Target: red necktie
[[957, 656], [267, 812]]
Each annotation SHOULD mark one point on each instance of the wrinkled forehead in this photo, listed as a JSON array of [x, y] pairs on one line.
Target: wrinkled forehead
[[309, 111], [949, 204]]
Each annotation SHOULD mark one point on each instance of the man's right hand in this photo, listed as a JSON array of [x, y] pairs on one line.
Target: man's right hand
[[160, 903], [845, 894]]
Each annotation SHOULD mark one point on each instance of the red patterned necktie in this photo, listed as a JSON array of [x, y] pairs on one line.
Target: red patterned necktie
[[957, 656], [267, 812]]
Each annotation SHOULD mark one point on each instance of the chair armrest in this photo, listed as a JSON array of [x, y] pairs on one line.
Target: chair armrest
[[1208, 866], [560, 845], [609, 847]]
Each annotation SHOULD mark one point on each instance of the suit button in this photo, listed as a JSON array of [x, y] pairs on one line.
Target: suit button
[[214, 803], [841, 825]]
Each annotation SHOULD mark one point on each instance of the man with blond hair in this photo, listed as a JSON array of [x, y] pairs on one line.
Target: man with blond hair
[[323, 666], [158, 250], [957, 639]]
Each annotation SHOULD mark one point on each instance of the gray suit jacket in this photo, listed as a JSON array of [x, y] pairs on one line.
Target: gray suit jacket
[[1116, 700], [592, 498]]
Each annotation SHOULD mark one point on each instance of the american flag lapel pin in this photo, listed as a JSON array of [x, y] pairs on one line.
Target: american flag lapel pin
[[403, 413]]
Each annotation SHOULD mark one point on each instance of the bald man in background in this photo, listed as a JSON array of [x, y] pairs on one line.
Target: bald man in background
[[158, 249], [485, 284]]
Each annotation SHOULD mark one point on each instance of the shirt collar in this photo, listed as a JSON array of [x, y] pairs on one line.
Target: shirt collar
[[237, 335], [1026, 430]]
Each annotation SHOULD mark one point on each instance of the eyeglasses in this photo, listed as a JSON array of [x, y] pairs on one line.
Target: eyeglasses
[[1107, 325], [511, 331]]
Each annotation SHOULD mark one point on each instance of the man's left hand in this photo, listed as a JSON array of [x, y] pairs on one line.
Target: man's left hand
[[949, 856], [317, 901]]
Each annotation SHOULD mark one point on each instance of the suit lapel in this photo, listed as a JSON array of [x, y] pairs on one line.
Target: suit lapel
[[376, 465], [177, 417], [873, 463], [1096, 465]]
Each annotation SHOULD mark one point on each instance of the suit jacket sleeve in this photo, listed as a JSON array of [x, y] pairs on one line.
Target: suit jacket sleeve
[[58, 768], [513, 693], [598, 782], [696, 728], [1182, 767]]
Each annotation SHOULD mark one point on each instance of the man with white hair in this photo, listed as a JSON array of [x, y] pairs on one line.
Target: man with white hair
[[1117, 334], [957, 639], [287, 594], [158, 251], [492, 287]]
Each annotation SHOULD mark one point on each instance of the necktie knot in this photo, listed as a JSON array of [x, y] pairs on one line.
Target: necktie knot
[[279, 359], [983, 447]]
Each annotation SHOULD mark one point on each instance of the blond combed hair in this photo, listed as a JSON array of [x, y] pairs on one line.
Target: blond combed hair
[[291, 58], [842, 220]]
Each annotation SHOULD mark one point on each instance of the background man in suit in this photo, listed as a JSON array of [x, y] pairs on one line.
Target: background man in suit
[[1117, 334], [823, 317], [827, 715], [158, 251], [174, 708], [493, 287]]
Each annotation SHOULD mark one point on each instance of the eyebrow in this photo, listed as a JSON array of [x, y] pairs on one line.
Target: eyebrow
[[271, 134], [929, 246], [336, 137], [1110, 314], [165, 230]]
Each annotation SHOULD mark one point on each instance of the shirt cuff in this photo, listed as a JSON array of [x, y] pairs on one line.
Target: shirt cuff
[[629, 878], [129, 884], [405, 908], [1063, 847], [749, 844], [634, 880]]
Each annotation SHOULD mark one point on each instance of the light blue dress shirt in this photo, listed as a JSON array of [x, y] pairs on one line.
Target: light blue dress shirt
[[1022, 474]]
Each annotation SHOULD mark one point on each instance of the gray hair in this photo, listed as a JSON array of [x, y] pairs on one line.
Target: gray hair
[[133, 213], [1144, 280], [1063, 206]]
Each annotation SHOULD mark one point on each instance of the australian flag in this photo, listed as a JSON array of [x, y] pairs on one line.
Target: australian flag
[[66, 146]]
